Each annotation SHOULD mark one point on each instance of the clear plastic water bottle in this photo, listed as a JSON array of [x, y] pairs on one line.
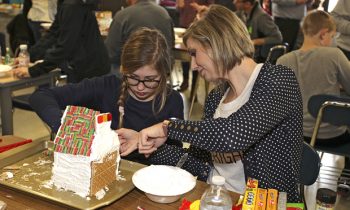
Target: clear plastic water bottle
[[216, 196], [23, 56], [7, 56]]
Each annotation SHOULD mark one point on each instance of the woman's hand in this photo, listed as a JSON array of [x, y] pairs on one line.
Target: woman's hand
[[151, 138], [21, 72], [128, 140]]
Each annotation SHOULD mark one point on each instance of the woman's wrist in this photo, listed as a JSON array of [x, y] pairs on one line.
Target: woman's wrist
[[165, 127], [168, 123]]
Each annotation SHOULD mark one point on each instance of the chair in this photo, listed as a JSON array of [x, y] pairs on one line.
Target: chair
[[330, 109], [309, 170], [22, 102], [276, 52], [336, 111]]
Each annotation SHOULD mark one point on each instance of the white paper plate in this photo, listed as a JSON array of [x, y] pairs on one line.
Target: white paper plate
[[164, 180]]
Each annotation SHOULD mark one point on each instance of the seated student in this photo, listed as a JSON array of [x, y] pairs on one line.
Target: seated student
[[73, 43], [320, 69], [257, 108], [139, 13], [138, 100], [263, 31]]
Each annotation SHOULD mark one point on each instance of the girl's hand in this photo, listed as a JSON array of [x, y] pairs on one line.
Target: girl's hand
[[151, 138], [128, 140]]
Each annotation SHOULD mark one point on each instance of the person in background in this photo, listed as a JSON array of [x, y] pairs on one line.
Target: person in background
[[73, 43], [41, 12], [263, 31], [140, 13], [19, 31], [287, 15], [187, 14], [266, 5], [226, 3], [341, 14], [320, 69], [113, 6], [137, 100], [256, 109]]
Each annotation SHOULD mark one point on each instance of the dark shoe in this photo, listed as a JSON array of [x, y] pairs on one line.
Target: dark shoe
[[183, 86]]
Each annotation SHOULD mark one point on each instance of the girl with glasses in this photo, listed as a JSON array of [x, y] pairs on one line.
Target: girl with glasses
[[141, 99]]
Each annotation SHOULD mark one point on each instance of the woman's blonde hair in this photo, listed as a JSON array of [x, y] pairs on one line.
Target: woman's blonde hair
[[317, 20], [222, 33], [146, 47]]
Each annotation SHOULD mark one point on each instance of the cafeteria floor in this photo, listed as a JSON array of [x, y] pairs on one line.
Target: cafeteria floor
[[28, 125]]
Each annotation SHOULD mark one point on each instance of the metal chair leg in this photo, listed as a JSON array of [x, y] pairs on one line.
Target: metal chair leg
[[206, 84], [193, 96]]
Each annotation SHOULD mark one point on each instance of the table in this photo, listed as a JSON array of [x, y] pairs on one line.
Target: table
[[8, 84], [10, 9], [135, 198]]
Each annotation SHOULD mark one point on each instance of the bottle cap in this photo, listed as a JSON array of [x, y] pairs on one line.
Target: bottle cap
[[23, 46], [326, 195], [218, 180]]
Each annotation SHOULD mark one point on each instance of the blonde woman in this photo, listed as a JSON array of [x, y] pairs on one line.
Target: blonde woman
[[257, 108]]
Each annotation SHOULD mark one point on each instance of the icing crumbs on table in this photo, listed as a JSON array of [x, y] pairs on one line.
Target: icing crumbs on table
[[120, 178], [48, 184], [42, 162], [6, 175], [100, 194]]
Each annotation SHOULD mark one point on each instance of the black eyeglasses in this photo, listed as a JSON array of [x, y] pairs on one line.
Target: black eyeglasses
[[148, 83]]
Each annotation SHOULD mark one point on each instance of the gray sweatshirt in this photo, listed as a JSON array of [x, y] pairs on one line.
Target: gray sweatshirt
[[319, 71]]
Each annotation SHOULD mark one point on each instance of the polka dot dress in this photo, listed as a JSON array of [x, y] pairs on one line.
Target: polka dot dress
[[268, 128]]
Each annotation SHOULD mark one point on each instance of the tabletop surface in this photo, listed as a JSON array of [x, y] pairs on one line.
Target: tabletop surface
[[8, 77], [133, 200], [16, 199]]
